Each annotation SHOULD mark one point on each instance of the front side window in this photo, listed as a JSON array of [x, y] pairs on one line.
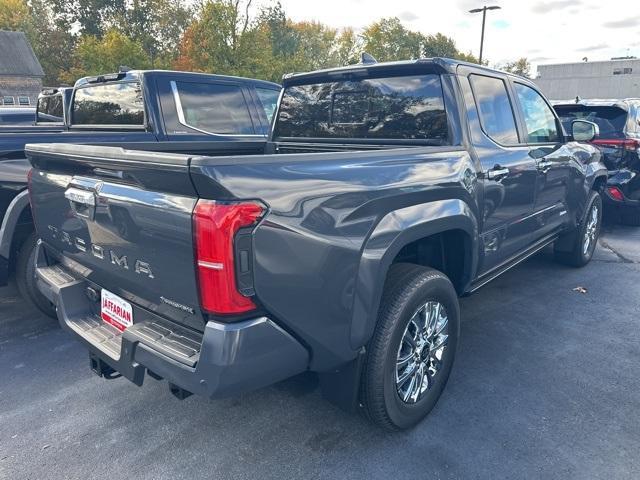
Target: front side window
[[538, 118], [23, 100], [494, 108], [8, 100], [269, 100], [392, 108], [213, 108], [109, 104]]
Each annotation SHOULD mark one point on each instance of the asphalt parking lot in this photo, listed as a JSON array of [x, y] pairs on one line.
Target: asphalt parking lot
[[546, 385]]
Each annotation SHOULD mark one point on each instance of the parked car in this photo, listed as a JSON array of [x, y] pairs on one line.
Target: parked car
[[342, 249], [147, 110], [17, 115], [619, 140]]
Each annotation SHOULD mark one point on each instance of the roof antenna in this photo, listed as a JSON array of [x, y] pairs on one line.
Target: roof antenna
[[123, 69], [577, 99], [367, 59]]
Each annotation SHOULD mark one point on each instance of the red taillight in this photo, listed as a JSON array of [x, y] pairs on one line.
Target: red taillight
[[626, 143], [215, 227], [615, 193]]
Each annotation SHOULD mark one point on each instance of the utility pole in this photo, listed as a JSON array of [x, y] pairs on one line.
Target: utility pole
[[484, 16]]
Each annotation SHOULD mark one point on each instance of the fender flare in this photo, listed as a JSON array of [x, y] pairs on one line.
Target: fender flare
[[395, 230], [10, 220]]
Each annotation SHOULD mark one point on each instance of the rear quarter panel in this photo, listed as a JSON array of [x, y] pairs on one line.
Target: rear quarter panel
[[322, 210]]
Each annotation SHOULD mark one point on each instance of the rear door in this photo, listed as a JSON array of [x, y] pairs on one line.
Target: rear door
[[508, 171], [202, 109]]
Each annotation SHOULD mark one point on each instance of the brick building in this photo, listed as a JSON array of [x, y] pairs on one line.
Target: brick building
[[20, 71]]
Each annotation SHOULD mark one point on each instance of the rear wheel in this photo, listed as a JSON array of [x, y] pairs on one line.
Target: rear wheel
[[26, 280], [585, 237], [413, 347]]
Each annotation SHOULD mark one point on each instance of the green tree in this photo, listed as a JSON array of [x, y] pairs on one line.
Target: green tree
[[439, 45], [157, 25], [520, 67], [348, 47], [95, 55], [387, 39]]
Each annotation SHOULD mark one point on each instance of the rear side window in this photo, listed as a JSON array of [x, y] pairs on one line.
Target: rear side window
[[8, 100], [494, 108], [393, 108], [109, 104], [269, 100], [24, 100], [538, 116], [213, 108], [50, 109], [610, 120]]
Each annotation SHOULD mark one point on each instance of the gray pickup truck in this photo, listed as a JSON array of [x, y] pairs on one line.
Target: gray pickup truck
[[384, 193]]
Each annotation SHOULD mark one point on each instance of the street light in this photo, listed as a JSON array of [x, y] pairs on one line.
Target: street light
[[484, 16]]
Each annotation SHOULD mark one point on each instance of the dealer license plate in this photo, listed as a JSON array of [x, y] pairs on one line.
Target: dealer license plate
[[115, 310]]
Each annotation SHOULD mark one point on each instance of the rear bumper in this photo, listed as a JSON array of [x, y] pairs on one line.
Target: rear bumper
[[227, 359]]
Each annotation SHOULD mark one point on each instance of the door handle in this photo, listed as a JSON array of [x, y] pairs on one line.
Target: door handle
[[497, 173], [544, 165]]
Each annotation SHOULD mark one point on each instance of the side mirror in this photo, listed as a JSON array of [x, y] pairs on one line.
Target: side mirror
[[583, 131]]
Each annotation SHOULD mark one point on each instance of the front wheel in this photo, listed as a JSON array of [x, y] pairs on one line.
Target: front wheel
[[585, 237], [411, 353]]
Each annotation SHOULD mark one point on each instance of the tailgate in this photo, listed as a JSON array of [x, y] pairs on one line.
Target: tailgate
[[122, 220]]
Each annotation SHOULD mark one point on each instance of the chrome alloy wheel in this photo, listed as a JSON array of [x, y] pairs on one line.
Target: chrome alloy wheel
[[591, 232], [421, 351]]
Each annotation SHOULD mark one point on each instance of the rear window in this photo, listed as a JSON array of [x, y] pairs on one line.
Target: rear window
[[393, 108], [109, 104], [213, 108], [611, 120], [50, 109]]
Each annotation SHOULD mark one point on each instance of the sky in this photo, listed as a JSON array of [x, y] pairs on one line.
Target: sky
[[553, 31]]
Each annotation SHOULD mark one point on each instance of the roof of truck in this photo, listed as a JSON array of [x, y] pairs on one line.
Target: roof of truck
[[435, 64], [133, 75]]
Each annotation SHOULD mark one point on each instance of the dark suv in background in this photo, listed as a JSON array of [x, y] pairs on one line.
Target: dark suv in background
[[619, 140]]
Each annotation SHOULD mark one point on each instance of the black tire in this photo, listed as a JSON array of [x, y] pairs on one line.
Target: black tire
[[408, 287], [25, 277], [577, 256]]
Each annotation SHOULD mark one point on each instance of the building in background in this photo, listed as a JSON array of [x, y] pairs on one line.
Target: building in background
[[615, 78], [20, 71]]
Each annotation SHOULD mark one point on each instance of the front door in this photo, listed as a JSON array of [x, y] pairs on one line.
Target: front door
[[555, 162]]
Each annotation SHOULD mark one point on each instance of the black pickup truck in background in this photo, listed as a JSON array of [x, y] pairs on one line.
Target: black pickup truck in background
[[50, 115], [147, 110], [385, 192]]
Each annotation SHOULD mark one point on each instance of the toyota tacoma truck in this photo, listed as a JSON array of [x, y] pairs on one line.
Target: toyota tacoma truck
[[146, 110], [385, 191]]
